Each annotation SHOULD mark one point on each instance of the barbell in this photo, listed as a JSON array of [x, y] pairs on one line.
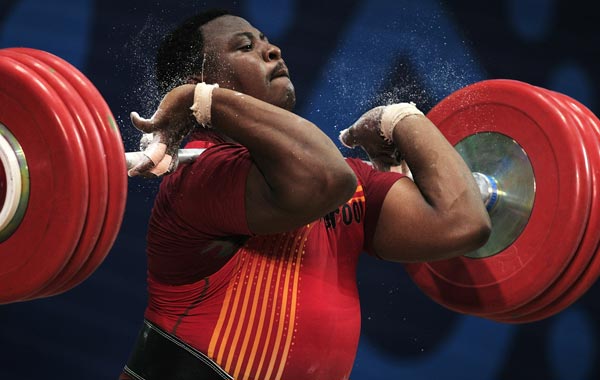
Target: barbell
[[533, 153]]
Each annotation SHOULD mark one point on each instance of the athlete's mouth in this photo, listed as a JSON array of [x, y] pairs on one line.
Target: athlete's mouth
[[280, 71]]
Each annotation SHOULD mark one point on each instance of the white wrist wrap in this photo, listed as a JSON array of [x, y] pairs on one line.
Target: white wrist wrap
[[202, 102], [392, 115]]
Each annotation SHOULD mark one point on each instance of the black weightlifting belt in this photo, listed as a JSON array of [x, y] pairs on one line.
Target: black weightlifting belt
[[158, 355]]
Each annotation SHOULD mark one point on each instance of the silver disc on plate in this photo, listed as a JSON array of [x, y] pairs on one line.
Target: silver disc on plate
[[504, 162]]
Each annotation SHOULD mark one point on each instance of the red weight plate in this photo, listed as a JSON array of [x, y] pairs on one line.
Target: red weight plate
[[95, 160], [591, 238], [115, 161], [592, 270], [46, 237], [524, 269]]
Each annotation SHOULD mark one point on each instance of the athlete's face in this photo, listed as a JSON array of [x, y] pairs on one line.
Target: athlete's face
[[239, 57]]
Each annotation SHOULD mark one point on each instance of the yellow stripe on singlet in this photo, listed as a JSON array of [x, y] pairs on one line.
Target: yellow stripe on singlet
[[255, 299], [241, 320], [231, 315], [261, 320], [284, 305], [222, 316], [273, 308], [292, 319]]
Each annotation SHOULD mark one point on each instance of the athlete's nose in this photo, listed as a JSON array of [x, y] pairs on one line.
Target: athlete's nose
[[272, 53]]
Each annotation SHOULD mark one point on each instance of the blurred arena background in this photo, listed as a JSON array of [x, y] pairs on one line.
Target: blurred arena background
[[344, 57]]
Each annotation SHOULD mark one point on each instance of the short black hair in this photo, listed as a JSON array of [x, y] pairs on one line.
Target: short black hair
[[180, 53]]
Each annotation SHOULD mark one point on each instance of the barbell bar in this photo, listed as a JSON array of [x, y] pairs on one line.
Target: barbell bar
[[488, 186], [533, 153], [185, 156]]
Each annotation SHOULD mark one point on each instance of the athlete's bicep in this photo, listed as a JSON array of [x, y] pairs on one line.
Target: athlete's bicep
[[408, 229]]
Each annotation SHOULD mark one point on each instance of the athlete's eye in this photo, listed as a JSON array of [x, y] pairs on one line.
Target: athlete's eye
[[247, 47]]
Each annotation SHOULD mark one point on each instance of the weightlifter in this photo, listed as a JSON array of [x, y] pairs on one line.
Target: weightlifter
[[253, 247]]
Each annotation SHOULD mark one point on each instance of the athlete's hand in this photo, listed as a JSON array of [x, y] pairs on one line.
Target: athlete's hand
[[366, 133], [170, 124]]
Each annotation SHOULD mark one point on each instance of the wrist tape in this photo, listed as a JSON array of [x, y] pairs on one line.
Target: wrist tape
[[202, 103], [392, 115]]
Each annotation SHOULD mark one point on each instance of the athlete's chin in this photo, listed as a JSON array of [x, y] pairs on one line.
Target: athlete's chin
[[290, 100], [286, 98]]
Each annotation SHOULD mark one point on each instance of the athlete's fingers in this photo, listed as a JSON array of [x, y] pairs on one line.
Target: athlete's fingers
[[142, 168], [163, 166], [347, 137], [144, 125], [154, 155]]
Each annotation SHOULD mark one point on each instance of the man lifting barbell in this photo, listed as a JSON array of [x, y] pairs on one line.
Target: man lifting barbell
[[252, 246]]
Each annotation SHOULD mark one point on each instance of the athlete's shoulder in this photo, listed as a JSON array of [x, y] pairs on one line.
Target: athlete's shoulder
[[360, 167]]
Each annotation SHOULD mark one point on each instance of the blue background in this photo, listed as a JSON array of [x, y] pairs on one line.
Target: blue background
[[344, 58]]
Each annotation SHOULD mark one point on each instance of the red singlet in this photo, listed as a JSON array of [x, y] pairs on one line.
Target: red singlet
[[282, 306]]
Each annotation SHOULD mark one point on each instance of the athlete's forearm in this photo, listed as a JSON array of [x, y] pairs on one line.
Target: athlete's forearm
[[441, 175], [299, 162]]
